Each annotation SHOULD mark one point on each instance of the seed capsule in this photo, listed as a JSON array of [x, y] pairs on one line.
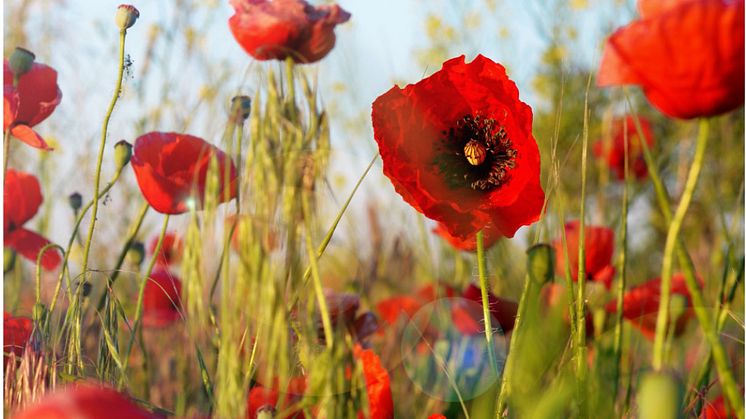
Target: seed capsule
[[475, 152]]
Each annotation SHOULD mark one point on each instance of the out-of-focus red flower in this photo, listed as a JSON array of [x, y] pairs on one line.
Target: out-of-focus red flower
[[377, 384], [390, 309], [436, 416], [688, 56], [554, 296], [716, 410], [16, 334], [171, 170], [640, 305], [30, 102], [85, 401], [458, 147], [613, 153], [599, 249], [469, 244], [263, 398], [21, 200], [277, 29], [161, 299], [469, 318], [171, 249], [343, 309]]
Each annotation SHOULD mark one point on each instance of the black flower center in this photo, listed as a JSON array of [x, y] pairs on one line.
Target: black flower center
[[477, 153]]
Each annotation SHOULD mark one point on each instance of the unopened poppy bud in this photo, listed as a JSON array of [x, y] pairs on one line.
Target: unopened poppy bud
[[126, 16], [136, 253], [122, 154], [39, 312], [540, 263], [87, 289], [75, 200], [659, 396], [240, 108], [21, 61], [9, 259]]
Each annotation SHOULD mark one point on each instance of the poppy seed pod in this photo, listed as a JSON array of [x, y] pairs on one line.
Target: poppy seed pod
[[240, 108], [126, 16], [75, 200], [122, 153], [136, 253], [21, 61], [9, 259], [660, 396]]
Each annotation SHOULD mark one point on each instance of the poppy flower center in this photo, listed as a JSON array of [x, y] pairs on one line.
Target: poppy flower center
[[476, 152]]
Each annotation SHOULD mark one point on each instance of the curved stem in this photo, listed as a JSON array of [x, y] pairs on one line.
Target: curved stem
[[722, 364], [140, 298], [97, 181], [123, 254], [671, 237]]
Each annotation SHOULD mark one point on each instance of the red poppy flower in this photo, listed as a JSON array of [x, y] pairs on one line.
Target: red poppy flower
[[171, 249], [343, 308], [162, 299], [85, 401], [436, 416], [390, 309], [458, 147], [263, 398], [688, 56], [469, 318], [171, 170], [21, 200], [640, 305], [277, 29], [30, 102], [715, 410], [613, 153], [16, 334], [377, 383], [599, 249], [469, 244]]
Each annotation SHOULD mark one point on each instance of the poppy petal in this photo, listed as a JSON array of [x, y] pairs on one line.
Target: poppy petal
[[30, 137], [29, 244]]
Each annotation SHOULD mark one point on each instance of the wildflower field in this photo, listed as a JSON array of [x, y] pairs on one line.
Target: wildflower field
[[373, 209]]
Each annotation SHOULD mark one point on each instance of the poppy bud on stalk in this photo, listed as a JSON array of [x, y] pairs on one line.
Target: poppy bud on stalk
[[126, 16], [240, 108], [660, 396], [540, 263], [21, 61], [122, 153], [9, 260], [75, 200], [136, 253]]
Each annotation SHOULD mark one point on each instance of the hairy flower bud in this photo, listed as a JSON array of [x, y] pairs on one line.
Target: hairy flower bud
[[21, 61], [136, 253], [126, 16], [122, 154], [75, 200], [240, 108]]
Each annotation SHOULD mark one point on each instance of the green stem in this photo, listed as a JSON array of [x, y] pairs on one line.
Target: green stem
[[727, 382], [505, 386], [580, 345], [97, 181], [6, 143], [123, 254], [318, 288], [671, 237], [140, 297], [622, 282], [482, 268], [70, 242]]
